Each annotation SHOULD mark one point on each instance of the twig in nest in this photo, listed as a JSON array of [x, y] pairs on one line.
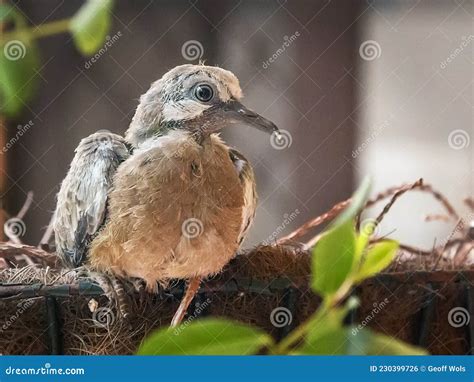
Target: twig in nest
[[396, 195], [10, 253], [456, 228], [303, 230], [470, 203], [338, 208], [425, 188]]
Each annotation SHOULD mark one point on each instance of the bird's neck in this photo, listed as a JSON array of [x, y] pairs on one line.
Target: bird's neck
[[177, 140]]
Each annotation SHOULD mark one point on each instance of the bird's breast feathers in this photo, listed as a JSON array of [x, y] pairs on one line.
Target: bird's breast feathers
[[177, 209]]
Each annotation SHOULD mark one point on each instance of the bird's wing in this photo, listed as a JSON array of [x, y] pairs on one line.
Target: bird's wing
[[247, 178], [82, 199]]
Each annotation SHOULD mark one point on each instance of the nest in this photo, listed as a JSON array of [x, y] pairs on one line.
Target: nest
[[48, 310]]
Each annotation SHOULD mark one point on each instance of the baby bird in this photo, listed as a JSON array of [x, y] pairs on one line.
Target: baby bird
[[171, 199]]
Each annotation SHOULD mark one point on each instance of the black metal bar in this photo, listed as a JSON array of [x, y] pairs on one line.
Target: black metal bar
[[250, 285], [426, 315], [290, 298], [470, 308], [89, 289], [54, 326]]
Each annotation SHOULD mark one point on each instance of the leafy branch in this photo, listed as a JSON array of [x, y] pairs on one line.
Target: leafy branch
[[19, 56], [341, 259]]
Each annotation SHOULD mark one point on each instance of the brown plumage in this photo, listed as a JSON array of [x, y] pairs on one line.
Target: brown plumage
[[174, 213], [171, 200]]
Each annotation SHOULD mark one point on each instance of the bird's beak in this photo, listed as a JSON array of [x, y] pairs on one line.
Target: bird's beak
[[236, 112], [232, 111]]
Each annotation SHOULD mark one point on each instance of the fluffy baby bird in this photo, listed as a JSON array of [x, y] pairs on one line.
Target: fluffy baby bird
[[171, 199]]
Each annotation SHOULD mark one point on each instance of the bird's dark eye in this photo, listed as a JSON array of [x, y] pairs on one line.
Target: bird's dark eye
[[203, 93]]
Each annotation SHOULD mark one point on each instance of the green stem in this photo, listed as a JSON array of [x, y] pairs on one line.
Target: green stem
[[328, 303], [300, 331], [44, 30]]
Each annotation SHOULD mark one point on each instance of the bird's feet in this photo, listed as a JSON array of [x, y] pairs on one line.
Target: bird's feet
[[119, 291]]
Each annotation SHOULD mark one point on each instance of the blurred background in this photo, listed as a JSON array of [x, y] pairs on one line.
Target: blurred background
[[381, 88]]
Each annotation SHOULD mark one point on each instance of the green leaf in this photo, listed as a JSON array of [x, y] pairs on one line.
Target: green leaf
[[90, 25], [385, 345], [206, 337], [363, 238], [358, 200], [332, 320], [349, 342], [337, 341], [333, 258], [334, 255], [10, 14], [19, 62], [378, 257]]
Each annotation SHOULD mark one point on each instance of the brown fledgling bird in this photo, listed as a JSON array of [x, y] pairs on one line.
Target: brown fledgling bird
[[171, 199]]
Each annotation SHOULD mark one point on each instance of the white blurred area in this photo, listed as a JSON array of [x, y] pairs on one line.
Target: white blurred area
[[411, 100]]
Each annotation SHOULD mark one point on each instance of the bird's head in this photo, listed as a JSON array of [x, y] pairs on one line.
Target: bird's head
[[198, 99]]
